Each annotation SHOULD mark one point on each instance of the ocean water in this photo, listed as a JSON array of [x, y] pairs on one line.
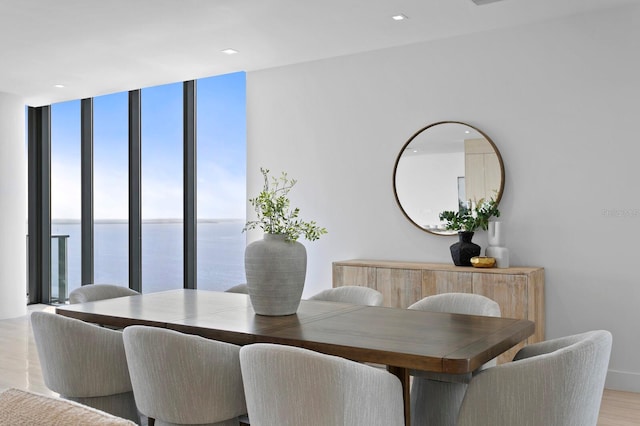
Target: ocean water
[[220, 260]]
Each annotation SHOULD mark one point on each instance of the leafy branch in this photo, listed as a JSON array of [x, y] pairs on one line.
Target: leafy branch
[[275, 215], [470, 219]]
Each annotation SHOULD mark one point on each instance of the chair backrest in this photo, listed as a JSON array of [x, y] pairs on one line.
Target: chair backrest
[[239, 288], [459, 303], [553, 383], [79, 359], [184, 379], [351, 294], [289, 386], [93, 292], [84, 362]]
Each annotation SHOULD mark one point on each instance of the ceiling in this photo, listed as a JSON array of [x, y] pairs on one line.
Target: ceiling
[[95, 47]]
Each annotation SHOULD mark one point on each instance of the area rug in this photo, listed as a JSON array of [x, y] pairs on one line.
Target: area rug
[[21, 408]]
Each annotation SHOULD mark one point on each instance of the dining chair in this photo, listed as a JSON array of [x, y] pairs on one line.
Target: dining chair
[[239, 288], [557, 382], [436, 397], [181, 379], [84, 363], [290, 386], [357, 295], [93, 292]]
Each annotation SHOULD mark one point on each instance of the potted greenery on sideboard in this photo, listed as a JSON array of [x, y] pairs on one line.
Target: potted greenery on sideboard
[[466, 220], [276, 266]]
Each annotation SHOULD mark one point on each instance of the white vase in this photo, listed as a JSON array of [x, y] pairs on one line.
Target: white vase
[[276, 270], [496, 249]]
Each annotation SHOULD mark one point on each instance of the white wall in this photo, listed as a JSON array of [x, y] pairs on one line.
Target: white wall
[[561, 100], [13, 248]]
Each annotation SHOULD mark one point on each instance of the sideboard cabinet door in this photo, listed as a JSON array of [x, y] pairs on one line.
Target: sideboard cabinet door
[[400, 287], [436, 282]]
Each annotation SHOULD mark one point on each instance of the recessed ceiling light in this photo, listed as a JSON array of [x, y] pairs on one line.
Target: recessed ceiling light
[[229, 51], [399, 17], [59, 86], [467, 132]]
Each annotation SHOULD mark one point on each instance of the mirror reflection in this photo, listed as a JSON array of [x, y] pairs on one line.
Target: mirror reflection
[[445, 166]]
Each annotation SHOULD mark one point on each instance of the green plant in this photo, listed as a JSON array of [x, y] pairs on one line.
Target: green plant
[[470, 219], [275, 216]]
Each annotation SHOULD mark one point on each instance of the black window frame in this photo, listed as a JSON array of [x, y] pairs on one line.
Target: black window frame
[[39, 197]]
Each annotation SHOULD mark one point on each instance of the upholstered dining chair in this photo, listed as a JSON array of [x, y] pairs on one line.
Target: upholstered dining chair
[[181, 379], [289, 386], [239, 288], [84, 363], [351, 294], [557, 382], [93, 292], [436, 397]]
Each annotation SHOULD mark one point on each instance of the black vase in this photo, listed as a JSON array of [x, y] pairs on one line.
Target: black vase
[[464, 249]]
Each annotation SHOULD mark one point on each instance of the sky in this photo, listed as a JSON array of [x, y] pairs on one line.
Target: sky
[[221, 152]]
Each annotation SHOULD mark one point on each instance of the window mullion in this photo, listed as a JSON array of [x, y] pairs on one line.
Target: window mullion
[[190, 186], [86, 221], [135, 191]]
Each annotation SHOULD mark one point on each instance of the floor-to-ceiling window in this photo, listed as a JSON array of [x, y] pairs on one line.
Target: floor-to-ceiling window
[[65, 198], [220, 158], [110, 183], [221, 180], [162, 188]]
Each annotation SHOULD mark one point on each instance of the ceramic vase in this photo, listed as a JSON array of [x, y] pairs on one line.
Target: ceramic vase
[[464, 249], [496, 249], [276, 270]]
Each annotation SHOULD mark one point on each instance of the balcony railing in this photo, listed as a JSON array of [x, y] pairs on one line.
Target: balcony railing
[[60, 269]]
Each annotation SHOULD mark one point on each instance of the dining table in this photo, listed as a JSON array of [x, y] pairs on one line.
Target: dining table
[[401, 339]]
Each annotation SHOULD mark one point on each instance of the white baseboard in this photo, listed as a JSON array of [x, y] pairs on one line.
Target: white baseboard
[[623, 381]]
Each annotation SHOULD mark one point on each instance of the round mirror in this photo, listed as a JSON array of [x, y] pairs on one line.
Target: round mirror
[[445, 166]]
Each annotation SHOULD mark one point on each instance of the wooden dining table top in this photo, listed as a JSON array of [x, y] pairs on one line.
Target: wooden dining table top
[[439, 342]]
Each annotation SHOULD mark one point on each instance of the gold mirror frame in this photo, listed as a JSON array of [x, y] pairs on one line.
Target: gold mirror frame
[[438, 229]]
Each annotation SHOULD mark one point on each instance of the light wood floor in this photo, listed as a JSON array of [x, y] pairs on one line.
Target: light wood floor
[[20, 368]]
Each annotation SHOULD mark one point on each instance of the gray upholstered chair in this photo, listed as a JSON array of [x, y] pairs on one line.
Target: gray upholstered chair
[[351, 294], [181, 379], [436, 397], [84, 363], [239, 288], [553, 383], [289, 386], [92, 292]]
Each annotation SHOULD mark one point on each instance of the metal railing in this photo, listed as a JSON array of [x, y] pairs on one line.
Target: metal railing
[[59, 269]]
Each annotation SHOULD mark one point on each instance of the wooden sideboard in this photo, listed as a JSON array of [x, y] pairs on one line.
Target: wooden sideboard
[[518, 291]]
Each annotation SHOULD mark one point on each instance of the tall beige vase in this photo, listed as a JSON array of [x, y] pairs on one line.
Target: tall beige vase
[[276, 270]]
